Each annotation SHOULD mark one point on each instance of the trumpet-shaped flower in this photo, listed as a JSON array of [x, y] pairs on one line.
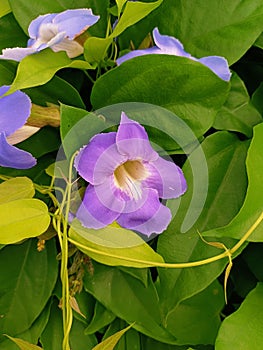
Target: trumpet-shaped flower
[[169, 45], [14, 111], [56, 31], [126, 179]]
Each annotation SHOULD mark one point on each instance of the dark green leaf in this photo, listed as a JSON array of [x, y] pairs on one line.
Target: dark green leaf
[[196, 320], [101, 318], [11, 34], [27, 280], [52, 337], [253, 204], [127, 298], [224, 158], [237, 114]]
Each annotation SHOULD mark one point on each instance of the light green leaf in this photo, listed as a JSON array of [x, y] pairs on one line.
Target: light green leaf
[[113, 246], [111, 342], [95, 48], [24, 345], [22, 218], [237, 114], [58, 169], [253, 204], [225, 28], [242, 330], [16, 188], [120, 4], [133, 13], [4, 8], [39, 68], [202, 93]]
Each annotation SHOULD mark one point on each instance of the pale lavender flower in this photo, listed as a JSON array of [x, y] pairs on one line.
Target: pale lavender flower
[[126, 179], [56, 31], [14, 111], [169, 45]]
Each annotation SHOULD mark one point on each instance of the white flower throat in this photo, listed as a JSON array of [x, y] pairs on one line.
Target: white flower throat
[[128, 177]]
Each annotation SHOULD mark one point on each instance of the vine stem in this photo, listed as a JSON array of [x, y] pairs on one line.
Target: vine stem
[[67, 313], [226, 254]]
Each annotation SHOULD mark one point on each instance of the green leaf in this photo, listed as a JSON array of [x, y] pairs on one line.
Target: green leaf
[[95, 48], [111, 342], [224, 158], [131, 340], [55, 91], [27, 280], [52, 337], [237, 114], [133, 13], [11, 34], [101, 318], [214, 27], [242, 329], [24, 345], [257, 99], [32, 334], [202, 93], [16, 188], [4, 8], [37, 144], [113, 246], [196, 320], [38, 69], [22, 218], [253, 204], [128, 299], [120, 4]]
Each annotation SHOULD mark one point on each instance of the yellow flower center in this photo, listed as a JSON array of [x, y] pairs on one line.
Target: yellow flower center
[[128, 177]]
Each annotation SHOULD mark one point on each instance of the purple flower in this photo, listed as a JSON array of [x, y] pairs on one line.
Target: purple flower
[[126, 179], [14, 111], [168, 45], [57, 31]]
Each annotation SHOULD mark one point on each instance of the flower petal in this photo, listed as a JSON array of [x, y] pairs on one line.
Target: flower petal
[[14, 110], [97, 161], [17, 53], [152, 217], [218, 65], [92, 213], [72, 48], [34, 27], [132, 140], [13, 157], [22, 134], [75, 22], [169, 45], [136, 53], [166, 177]]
